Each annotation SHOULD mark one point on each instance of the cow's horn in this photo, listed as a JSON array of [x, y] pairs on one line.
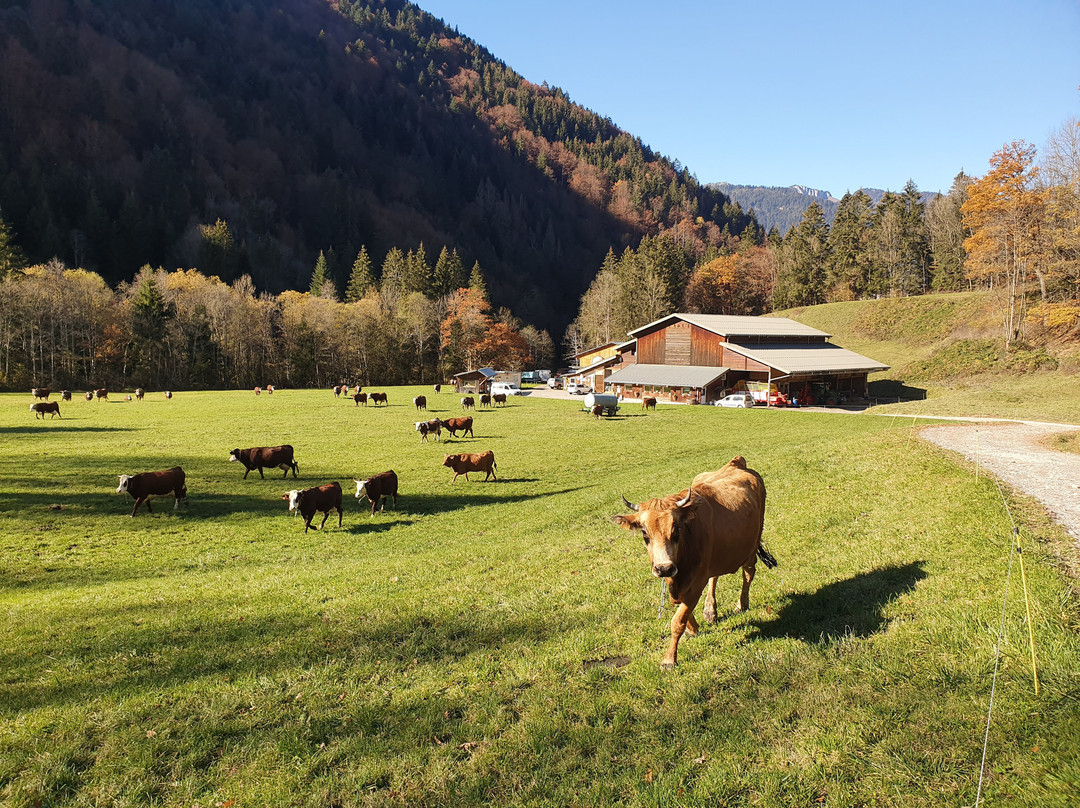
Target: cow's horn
[[682, 503], [629, 504]]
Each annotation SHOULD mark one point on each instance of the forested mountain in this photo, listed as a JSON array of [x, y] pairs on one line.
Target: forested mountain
[[247, 136], [783, 208]]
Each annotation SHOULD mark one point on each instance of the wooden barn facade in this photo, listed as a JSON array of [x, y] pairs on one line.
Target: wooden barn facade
[[698, 358]]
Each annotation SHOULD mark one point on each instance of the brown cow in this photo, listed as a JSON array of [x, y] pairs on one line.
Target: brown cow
[[65, 395], [337, 390], [139, 393], [420, 402], [432, 427], [310, 501], [712, 528], [89, 396], [168, 394], [152, 484], [485, 400], [102, 394], [499, 398], [269, 389], [455, 425], [360, 398], [258, 391], [468, 403], [597, 411], [648, 403], [260, 457], [438, 388], [383, 484], [377, 398], [39, 408], [464, 463], [41, 392]]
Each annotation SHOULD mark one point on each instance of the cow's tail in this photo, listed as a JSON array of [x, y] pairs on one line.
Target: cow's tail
[[765, 556]]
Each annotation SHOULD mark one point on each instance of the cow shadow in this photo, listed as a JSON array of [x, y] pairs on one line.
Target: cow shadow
[[852, 607], [468, 498]]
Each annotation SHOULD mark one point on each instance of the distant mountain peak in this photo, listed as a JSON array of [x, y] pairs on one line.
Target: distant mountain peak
[[825, 196]]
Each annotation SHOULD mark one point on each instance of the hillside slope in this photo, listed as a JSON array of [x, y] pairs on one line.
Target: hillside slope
[[946, 357], [308, 125]]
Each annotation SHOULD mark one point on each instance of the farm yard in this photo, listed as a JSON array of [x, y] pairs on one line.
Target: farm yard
[[497, 643]]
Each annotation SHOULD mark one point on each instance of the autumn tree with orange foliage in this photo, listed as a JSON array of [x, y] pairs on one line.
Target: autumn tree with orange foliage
[[1004, 212], [732, 284]]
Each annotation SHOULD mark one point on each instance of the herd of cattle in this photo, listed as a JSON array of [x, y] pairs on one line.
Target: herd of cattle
[[42, 406], [712, 528]]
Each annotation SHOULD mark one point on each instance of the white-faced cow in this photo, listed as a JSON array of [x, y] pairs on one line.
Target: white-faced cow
[[468, 403], [139, 393], [266, 457], [597, 410], [102, 394], [485, 400], [360, 398], [432, 427], [39, 408], [383, 484], [269, 389], [337, 390], [65, 395], [89, 396], [41, 392], [152, 484], [168, 394], [377, 399], [321, 499], [712, 528], [438, 388], [258, 391], [455, 425], [420, 402], [464, 463]]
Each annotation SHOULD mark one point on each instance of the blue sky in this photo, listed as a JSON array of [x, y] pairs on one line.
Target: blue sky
[[832, 95]]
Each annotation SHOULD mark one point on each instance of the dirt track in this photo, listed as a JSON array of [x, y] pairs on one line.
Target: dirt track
[[1012, 452]]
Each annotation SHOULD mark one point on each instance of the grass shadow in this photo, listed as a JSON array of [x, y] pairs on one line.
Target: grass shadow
[[851, 607], [36, 430], [894, 389], [468, 498]]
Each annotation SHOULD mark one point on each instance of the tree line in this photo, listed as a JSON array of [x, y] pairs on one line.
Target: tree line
[[1014, 231], [413, 321]]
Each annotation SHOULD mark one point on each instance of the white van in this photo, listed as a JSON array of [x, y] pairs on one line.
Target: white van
[[506, 388]]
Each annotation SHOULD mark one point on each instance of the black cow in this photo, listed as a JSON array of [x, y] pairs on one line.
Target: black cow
[[266, 457], [152, 484], [420, 403]]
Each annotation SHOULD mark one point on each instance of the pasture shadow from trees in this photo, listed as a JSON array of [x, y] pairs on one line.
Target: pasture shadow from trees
[[894, 389], [849, 608], [36, 430], [428, 504]]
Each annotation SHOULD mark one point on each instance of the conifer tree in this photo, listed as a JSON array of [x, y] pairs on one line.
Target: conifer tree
[[393, 272], [477, 282], [449, 273], [320, 276], [361, 279], [417, 271], [11, 257], [849, 243]]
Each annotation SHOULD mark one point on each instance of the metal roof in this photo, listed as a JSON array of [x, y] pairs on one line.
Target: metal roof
[[667, 375], [607, 360], [735, 326], [815, 357]]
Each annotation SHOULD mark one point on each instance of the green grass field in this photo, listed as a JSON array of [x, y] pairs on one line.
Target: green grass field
[[497, 643]]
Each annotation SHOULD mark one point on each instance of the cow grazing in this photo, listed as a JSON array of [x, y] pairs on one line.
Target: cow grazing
[[41, 392], [468, 403], [499, 398], [89, 396], [420, 402], [258, 391], [438, 388], [102, 394], [65, 395], [139, 393], [337, 390], [464, 463], [648, 403], [713, 528], [357, 389], [269, 389], [322, 499], [39, 408], [168, 394], [127, 398], [378, 398], [152, 484], [425, 428], [485, 400], [597, 411], [267, 457], [360, 398], [455, 425], [383, 484]]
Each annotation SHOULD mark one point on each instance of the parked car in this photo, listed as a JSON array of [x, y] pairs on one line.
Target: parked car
[[736, 400], [555, 383], [578, 389], [506, 388]]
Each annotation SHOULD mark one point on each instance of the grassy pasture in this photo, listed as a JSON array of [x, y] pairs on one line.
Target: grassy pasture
[[497, 643]]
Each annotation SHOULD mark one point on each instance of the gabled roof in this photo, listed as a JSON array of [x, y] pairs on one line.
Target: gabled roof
[[597, 348], [733, 326], [803, 358], [667, 375], [607, 360], [481, 373]]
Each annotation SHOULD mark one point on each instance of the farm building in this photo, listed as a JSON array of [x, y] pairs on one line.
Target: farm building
[[480, 381], [699, 357], [596, 364]]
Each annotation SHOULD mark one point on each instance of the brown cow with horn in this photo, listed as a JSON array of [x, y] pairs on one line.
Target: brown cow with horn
[[712, 528]]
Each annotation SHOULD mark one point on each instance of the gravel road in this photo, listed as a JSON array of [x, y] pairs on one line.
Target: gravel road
[[1011, 451]]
